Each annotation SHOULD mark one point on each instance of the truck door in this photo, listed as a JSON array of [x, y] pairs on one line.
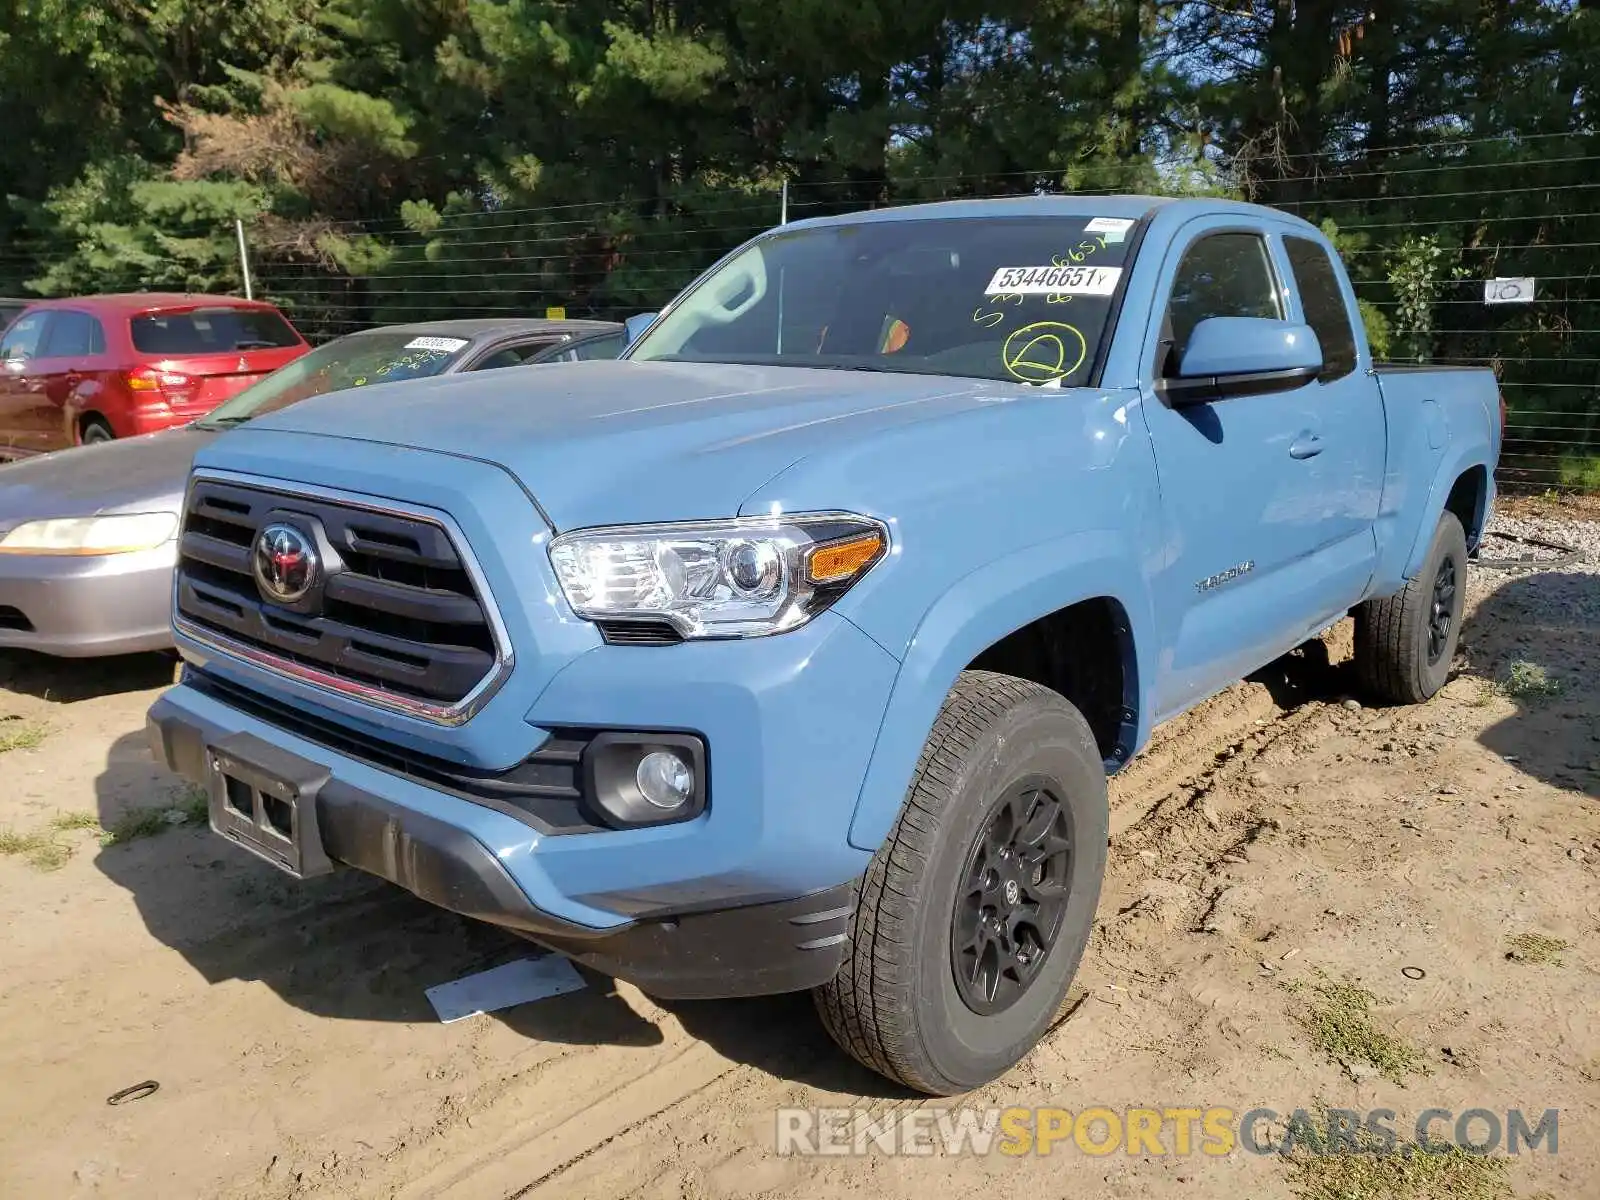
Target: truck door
[[1347, 419], [1240, 506]]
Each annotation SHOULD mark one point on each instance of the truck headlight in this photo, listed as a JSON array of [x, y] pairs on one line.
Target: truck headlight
[[747, 577], [117, 533]]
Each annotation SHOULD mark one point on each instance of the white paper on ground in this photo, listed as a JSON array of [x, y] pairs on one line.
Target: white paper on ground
[[503, 986]]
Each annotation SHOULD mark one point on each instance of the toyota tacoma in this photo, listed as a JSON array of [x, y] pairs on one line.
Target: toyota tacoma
[[793, 650]]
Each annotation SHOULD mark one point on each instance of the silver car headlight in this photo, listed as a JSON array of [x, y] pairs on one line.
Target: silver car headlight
[[116, 533], [747, 577]]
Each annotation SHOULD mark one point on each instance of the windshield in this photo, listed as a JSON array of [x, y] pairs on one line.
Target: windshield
[[352, 361], [1023, 299]]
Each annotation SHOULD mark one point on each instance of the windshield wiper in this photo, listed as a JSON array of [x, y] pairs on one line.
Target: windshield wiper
[[220, 422]]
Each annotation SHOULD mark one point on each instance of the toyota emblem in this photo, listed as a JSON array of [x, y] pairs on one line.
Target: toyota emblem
[[285, 563]]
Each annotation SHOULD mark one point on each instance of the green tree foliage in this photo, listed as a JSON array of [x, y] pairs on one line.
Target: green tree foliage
[[397, 158]]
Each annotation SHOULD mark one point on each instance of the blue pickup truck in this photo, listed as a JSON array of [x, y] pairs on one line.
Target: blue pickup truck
[[794, 649]]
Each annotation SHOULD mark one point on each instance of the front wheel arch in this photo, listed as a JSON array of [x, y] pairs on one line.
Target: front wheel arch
[[983, 608]]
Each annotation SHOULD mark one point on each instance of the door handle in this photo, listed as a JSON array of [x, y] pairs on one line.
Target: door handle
[[1307, 445]]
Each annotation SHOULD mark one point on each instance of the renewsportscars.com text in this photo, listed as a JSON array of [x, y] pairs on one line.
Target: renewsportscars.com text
[[1180, 1131]]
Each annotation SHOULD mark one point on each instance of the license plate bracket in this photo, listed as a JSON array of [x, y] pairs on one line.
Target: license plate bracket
[[265, 799]]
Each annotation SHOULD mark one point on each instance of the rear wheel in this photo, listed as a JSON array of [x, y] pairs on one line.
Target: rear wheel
[[1405, 642], [95, 430], [975, 912]]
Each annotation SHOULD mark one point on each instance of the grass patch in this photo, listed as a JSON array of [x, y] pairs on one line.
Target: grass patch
[[187, 806], [1536, 949], [17, 734], [1529, 681], [74, 820], [42, 850], [1338, 1019], [1406, 1174]]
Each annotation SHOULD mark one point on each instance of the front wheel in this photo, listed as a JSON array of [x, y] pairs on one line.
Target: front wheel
[[974, 914], [1405, 642]]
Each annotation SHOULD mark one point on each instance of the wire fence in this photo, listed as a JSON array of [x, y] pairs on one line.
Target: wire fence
[[1422, 226]]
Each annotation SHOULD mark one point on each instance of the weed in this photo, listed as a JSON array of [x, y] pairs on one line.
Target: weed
[[1338, 1018], [17, 734], [1405, 1174], [43, 851], [186, 806], [74, 820], [1529, 681], [1535, 949]]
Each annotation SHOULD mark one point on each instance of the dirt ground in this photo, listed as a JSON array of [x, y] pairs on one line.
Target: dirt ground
[[1269, 849]]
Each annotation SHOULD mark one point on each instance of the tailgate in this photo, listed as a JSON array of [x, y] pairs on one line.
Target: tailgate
[[218, 377], [211, 352]]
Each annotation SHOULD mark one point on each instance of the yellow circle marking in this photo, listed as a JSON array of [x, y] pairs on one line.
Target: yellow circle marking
[[1040, 352]]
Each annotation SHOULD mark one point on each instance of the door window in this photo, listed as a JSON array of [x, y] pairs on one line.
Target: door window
[[23, 338], [73, 335], [1318, 284], [1221, 275]]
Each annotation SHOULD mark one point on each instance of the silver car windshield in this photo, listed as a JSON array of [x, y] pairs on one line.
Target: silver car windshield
[[1024, 299], [348, 362]]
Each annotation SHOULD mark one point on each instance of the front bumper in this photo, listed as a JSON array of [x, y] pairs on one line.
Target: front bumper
[[84, 606], [752, 897]]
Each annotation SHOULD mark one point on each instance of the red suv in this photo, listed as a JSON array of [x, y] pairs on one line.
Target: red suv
[[101, 367]]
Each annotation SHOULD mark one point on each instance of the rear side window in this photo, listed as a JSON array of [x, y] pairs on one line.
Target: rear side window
[[1318, 285], [1222, 275], [516, 356], [23, 338], [601, 347], [73, 335], [212, 331]]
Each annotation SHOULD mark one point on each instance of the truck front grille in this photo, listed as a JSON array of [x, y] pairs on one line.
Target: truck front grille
[[394, 616]]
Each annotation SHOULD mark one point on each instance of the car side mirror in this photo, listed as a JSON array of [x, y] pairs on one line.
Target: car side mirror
[[1243, 356], [637, 324]]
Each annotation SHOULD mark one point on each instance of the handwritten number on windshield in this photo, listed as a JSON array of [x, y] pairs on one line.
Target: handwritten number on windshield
[[1044, 351]]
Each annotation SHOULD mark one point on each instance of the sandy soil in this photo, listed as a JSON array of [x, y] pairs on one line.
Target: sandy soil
[[1274, 839]]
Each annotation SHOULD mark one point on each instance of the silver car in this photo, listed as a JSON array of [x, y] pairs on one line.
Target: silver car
[[87, 535]]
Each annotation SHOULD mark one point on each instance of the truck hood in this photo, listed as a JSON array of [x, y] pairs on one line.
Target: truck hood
[[616, 442], [142, 474]]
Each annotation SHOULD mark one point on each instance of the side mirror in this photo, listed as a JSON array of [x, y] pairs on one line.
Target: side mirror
[[1244, 356], [637, 324]]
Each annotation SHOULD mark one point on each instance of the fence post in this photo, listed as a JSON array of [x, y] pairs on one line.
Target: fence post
[[244, 259], [783, 205]]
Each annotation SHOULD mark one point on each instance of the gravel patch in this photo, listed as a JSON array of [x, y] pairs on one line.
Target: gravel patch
[[1502, 548]]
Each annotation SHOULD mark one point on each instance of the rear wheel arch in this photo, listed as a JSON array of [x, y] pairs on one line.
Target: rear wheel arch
[[1469, 501], [91, 422], [1463, 484]]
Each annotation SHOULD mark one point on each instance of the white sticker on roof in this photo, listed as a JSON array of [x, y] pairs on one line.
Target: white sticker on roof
[[1114, 228], [442, 344], [1054, 280]]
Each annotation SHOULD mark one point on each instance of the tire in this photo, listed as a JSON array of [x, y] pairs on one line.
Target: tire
[[95, 430], [897, 1005], [1405, 642]]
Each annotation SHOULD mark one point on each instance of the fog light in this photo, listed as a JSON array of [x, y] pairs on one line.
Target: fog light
[[636, 778], [664, 779]]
